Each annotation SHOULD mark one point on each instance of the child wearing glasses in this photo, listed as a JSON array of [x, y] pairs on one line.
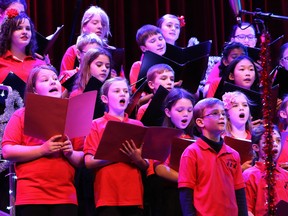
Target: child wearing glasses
[[283, 58], [244, 34], [210, 176]]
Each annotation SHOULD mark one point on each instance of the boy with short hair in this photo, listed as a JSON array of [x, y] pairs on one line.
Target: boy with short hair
[[210, 175], [159, 74], [149, 38]]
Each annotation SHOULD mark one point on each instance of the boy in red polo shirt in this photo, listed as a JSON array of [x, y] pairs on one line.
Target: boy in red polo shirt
[[210, 177]]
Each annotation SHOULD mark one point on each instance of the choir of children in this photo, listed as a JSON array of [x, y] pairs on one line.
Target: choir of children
[[209, 180]]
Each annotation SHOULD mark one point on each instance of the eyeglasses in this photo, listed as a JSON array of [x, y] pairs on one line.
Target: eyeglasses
[[215, 114], [243, 37]]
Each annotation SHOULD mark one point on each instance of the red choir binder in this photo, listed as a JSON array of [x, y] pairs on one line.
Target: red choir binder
[[156, 141], [242, 146], [48, 116], [177, 148]]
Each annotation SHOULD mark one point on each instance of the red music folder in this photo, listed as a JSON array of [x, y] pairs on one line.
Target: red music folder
[[48, 116], [242, 146], [177, 148], [156, 141]]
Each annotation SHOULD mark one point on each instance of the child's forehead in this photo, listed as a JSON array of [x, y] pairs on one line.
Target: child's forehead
[[164, 72], [213, 107], [118, 84], [154, 34]]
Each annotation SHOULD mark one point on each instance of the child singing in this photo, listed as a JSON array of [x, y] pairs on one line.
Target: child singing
[[118, 188], [44, 168]]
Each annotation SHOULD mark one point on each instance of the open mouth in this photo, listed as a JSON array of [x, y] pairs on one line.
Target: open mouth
[[275, 151], [122, 101], [53, 90], [184, 121], [242, 115]]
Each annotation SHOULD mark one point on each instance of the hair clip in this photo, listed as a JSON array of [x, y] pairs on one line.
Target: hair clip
[[228, 99], [182, 21]]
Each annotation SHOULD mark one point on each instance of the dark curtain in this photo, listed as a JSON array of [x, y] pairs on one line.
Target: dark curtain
[[205, 19]]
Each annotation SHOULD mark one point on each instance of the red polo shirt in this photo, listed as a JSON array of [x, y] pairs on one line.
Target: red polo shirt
[[117, 184], [213, 177], [256, 188]]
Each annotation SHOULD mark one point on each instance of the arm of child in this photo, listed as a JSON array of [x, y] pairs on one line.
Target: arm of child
[[187, 201], [241, 202], [21, 153], [92, 163], [134, 153], [165, 172]]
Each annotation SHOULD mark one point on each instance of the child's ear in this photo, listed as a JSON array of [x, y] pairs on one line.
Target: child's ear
[[283, 114], [231, 76], [151, 85], [199, 122], [255, 147], [104, 99], [143, 48], [167, 112]]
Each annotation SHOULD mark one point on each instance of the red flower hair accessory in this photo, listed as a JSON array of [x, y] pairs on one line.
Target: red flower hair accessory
[[11, 13], [182, 21]]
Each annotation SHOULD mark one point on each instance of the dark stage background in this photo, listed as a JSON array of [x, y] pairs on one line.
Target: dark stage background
[[205, 19]]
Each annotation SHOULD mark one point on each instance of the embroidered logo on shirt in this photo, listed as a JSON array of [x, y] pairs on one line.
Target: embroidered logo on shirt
[[231, 163]]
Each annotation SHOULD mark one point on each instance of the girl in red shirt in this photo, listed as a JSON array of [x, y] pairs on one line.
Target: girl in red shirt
[[239, 124], [44, 168], [17, 46], [179, 112]]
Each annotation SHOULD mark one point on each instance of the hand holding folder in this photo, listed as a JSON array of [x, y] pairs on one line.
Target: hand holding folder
[[48, 116], [155, 141], [242, 146]]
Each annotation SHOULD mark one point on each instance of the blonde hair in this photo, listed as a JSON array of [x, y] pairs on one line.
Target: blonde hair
[[228, 99], [89, 14], [85, 39], [106, 86]]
